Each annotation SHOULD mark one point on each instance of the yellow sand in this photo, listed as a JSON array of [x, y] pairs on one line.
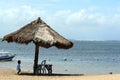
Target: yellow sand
[[11, 75]]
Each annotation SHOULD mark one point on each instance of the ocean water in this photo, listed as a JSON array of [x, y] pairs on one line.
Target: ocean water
[[86, 57]]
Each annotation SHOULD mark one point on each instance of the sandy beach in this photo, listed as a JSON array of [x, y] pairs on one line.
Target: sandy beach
[[6, 74]]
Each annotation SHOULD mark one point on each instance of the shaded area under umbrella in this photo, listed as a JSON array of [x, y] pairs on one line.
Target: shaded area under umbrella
[[40, 34]]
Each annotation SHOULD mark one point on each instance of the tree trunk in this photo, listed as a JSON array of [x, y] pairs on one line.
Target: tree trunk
[[36, 58]]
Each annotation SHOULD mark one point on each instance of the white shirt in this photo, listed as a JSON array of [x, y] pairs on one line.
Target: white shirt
[[18, 67]]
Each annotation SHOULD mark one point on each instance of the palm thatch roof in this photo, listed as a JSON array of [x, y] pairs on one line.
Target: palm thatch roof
[[38, 32]]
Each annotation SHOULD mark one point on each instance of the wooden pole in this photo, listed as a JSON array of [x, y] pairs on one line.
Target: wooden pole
[[36, 57]]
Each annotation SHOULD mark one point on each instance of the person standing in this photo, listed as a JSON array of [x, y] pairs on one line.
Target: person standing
[[19, 67]]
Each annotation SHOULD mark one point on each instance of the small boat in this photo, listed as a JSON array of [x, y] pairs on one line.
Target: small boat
[[6, 56]]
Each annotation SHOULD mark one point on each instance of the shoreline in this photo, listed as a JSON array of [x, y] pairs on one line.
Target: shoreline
[[8, 74]]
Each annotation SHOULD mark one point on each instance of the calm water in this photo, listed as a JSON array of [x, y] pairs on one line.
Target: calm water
[[86, 57]]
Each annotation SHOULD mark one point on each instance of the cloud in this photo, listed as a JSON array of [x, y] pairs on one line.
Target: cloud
[[86, 23], [92, 17], [14, 18], [19, 14]]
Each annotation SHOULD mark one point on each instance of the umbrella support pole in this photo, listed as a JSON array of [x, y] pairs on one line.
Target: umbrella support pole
[[36, 58]]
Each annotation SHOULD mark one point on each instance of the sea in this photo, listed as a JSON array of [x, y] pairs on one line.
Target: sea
[[85, 57]]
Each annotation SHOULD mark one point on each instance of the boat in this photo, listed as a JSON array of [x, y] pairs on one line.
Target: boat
[[6, 56]]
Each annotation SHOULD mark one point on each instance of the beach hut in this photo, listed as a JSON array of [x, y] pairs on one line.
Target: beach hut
[[41, 34]]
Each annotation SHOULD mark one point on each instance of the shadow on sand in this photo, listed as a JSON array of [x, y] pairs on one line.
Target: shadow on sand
[[53, 74]]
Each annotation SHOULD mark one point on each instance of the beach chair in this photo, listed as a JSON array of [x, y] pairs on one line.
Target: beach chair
[[43, 68]]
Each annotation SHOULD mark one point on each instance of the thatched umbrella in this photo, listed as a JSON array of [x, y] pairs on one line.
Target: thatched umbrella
[[40, 34]]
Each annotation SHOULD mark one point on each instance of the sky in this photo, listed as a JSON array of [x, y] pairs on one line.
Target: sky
[[73, 19]]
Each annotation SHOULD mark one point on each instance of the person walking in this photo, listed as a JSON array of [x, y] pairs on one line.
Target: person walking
[[19, 67]]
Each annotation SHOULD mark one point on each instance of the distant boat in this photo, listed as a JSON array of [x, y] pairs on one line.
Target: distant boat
[[6, 56]]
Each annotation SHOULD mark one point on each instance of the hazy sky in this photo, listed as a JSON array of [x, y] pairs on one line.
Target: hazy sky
[[73, 19]]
